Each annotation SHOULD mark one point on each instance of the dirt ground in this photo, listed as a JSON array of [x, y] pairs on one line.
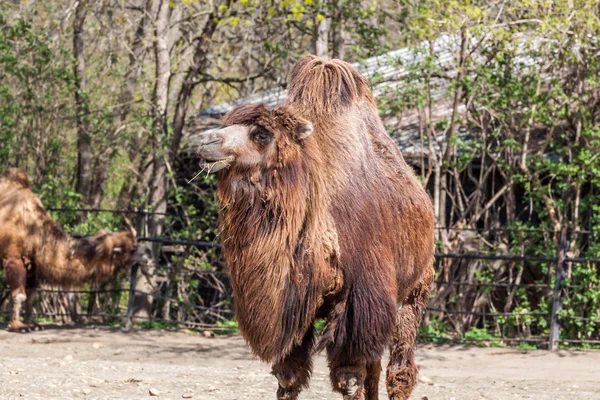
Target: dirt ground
[[100, 363]]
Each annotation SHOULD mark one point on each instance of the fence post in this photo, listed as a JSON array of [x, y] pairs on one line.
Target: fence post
[[134, 273], [557, 298]]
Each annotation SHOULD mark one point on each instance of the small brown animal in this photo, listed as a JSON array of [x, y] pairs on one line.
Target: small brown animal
[[322, 218], [34, 249]]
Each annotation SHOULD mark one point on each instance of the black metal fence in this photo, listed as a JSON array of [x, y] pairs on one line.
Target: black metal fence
[[198, 312]]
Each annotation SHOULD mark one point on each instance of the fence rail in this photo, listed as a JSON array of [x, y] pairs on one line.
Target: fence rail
[[554, 317]]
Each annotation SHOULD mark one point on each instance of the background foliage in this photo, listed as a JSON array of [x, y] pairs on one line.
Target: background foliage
[[503, 97]]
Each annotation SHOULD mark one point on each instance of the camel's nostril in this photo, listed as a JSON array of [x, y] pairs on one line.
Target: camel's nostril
[[209, 140], [208, 143]]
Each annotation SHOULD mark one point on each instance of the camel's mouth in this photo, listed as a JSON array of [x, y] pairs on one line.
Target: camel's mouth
[[142, 254], [211, 166]]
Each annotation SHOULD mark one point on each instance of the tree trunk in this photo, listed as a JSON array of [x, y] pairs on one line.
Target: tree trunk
[[198, 63], [136, 56], [320, 40], [158, 184], [339, 45], [84, 140], [449, 152]]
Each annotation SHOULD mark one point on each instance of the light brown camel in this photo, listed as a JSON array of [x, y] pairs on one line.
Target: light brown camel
[[34, 249], [322, 218]]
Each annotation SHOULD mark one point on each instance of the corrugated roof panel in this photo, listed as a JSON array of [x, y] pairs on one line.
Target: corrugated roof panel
[[388, 70]]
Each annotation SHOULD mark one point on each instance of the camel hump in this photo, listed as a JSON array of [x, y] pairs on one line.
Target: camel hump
[[326, 85], [16, 175]]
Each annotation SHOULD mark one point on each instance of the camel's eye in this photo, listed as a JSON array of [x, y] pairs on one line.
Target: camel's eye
[[261, 136]]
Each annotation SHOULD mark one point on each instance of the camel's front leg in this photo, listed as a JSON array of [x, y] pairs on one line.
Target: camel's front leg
[[16, 278], [372, 380], [293, 373]]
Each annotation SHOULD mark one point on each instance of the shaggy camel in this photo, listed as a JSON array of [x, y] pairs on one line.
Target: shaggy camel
[[34, 249], [322, 218]]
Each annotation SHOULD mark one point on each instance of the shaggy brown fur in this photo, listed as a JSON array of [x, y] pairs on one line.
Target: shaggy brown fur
[[34, 249], [331, 225]]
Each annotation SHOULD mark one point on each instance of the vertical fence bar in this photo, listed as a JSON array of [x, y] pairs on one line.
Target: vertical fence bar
[[134, 273], [557, 298]]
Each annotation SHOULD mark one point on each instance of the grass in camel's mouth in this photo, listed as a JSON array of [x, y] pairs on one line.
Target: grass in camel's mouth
[[222, 161], [211, 166]]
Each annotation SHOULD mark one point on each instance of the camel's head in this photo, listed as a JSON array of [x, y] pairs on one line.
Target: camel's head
[[255, 137], [111, 251], [125, 248]]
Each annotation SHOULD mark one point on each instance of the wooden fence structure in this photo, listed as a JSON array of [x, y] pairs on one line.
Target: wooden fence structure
[[208, 316]]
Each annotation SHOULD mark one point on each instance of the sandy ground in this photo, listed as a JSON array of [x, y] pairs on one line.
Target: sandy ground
[[100, 363]]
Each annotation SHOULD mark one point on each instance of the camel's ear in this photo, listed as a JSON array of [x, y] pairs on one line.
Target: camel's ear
[[128, 225], [303, 130]]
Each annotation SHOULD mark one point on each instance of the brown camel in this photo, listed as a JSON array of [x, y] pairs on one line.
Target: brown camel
[[322, 218], [34, 249]]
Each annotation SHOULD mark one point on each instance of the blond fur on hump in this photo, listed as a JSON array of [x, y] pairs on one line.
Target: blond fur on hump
[[326, 86], [16, 176]]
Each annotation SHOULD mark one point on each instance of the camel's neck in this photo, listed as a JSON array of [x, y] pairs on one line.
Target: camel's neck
[[269, 233], [271, 211], [56, 265]]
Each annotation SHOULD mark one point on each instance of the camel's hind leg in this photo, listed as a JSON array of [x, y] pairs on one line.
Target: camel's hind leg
[[16, 278], [293, 373], [401, 376], [32, 286]]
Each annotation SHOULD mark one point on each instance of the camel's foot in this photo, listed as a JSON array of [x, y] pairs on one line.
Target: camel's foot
[[401, 380], [34, 327], [352, 390], [18, 327], [285, 394], [350, 387], [349, 381], [287, 389]]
